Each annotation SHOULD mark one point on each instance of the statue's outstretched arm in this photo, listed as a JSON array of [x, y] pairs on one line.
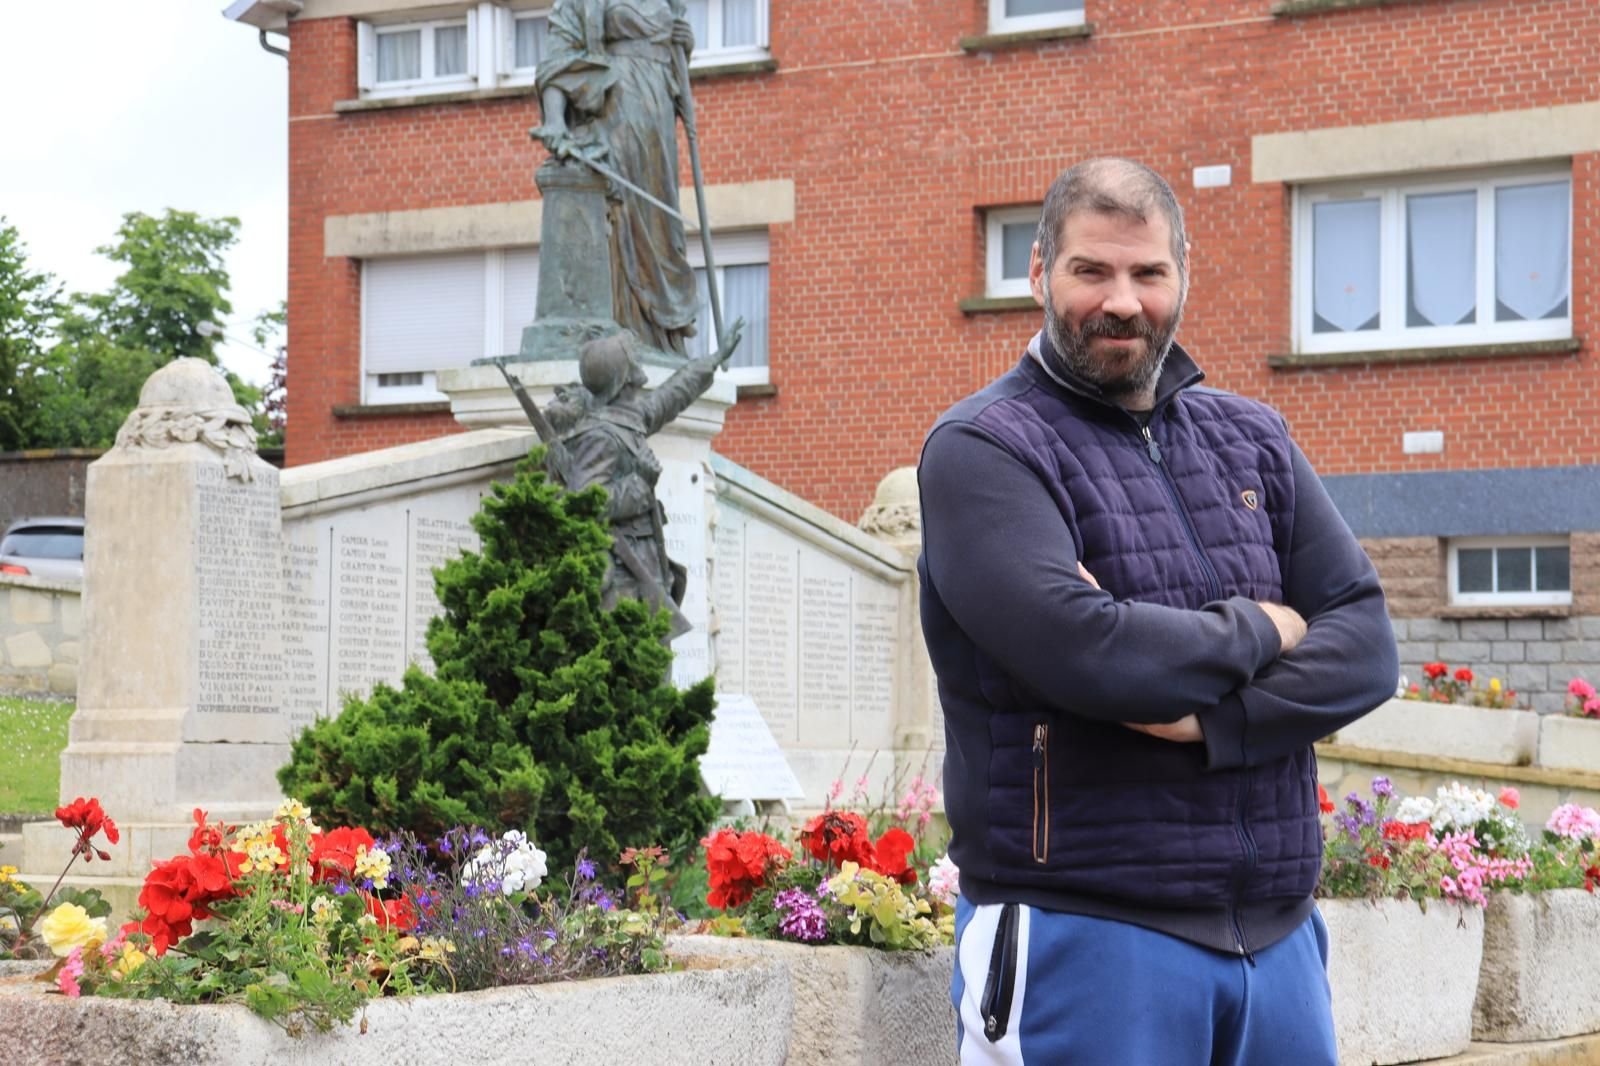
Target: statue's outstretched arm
[[675, 394]]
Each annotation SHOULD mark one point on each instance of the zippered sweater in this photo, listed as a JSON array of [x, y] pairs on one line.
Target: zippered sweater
[[1186, 524]]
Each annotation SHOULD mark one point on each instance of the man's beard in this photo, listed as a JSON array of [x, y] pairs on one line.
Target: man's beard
[[1119, 381]]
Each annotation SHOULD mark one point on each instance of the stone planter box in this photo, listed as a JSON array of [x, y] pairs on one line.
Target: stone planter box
[[853, 1006], [1403, 979], [1541, 965], [1567, 743], [694, 1017], [1448, 730]]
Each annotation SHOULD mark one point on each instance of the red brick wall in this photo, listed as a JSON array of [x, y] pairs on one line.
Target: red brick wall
[[895, 139]]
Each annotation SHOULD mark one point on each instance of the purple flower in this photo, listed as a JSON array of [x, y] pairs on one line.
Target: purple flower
[[340, 888], [1381, 786], [803, 918], [585, 870]]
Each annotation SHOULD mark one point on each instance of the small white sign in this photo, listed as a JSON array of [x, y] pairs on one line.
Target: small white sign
[[743, 761], [1426, 442], [1214, 177]]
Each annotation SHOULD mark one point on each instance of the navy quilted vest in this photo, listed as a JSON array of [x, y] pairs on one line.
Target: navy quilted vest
[[1197, 510]]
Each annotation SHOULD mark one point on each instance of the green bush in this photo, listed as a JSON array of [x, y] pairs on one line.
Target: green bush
[[545, 714]]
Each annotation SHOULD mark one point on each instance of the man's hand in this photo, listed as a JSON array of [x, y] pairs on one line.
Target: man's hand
[[1083, 572], [1185, 730], [1291, 627], [730, 341]]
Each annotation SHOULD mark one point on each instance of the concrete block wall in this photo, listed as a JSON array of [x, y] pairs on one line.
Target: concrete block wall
[[41, 623], [1535, 656]]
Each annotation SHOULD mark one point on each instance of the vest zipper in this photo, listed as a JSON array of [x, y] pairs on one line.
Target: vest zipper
[[1248, 843], [1041, 792], [1153, 451], [1000, 985]]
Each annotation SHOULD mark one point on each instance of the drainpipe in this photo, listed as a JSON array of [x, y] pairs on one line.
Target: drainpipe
[[270, 47]]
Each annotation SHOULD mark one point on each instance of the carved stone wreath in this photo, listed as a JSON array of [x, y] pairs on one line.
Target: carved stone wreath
[[226, 430]]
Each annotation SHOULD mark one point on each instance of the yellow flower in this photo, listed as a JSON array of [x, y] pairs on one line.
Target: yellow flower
[[5, 874], [1494, 684], [323, 910], [292, 810], [373, 864], [69, 926], [132, 958], [435, 948]]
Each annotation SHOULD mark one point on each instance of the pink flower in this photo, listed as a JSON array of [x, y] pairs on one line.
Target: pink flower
[[1591, 707], [1510, 797], [1580, 688], [1574, 822], [71, 970], [944, 881]]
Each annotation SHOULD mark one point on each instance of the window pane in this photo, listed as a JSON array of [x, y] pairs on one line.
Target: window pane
[[397, 381], [1532, 246], [1016, 247], [1514, 570], [1344, 246], [700, 22], [400, 55], [1475, 570], [1441, 259], [1024, 8], [745, 295], [1552, 570], [738, 24], [449, 51], [530, 40]]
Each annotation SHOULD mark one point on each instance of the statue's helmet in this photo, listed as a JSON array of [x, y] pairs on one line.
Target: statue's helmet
[[607, 364]]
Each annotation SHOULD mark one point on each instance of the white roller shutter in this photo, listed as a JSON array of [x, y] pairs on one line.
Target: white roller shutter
[[423, 313]]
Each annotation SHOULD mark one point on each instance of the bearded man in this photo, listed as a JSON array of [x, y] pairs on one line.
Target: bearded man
[[1143, 610]]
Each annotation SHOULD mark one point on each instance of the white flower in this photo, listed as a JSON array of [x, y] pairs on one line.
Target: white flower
[[373, 863], [944, 881], [1402, 688], [1414, 809], [1458, 806], [513, 859]]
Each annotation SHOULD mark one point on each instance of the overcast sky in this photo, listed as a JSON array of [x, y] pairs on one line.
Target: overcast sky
[[113, 106]]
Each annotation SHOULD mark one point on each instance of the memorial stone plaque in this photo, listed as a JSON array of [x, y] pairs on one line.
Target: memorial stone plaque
[[743, 761], [239, 690], [682, 492]]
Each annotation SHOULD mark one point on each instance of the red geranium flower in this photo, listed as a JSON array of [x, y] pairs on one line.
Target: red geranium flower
[[838, 837], [1436, 670], [1380, 861], [87, 818], [178, 891], [399, 914], [893, 849], [1406, 830], [1464, 675], [1323, 802], [207, 836], [738, 863], [333, 854]]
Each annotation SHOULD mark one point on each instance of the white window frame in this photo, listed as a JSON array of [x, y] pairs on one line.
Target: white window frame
[[1392, 333], [748, 248], [999, 23], [1530, 598], [712, 54], [367, 34], [995, 221], [493, 328], [505, 59]]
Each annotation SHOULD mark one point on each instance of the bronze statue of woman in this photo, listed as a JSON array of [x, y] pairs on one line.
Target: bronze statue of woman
[[610, 92]]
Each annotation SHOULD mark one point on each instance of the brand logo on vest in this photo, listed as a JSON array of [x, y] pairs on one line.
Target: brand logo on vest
[[1249, 498]]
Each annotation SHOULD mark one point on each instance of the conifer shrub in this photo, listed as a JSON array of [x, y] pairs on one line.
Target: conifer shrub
[[545, 713]]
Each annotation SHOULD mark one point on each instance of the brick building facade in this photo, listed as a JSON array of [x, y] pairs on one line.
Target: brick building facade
[[1394, 207]]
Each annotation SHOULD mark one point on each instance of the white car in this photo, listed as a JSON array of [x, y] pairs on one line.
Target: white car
[[51, 548]]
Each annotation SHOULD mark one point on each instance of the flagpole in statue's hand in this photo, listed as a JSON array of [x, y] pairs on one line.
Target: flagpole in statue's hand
[[683, 42]]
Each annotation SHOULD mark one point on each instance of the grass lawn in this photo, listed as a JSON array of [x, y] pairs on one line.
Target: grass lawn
[[32, 734]]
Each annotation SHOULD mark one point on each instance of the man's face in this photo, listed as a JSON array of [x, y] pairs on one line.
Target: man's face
[[1112, 300]]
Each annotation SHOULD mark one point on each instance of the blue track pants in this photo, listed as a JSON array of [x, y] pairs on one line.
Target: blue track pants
[[1091, 992]]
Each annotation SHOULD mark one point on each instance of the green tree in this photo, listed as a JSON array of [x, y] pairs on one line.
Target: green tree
[[29, 305], [546, 714], [109, 343]]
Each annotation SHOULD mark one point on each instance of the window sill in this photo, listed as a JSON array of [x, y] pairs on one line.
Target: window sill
[[1297, 8], [1539, 610], [993, 42], [1301, 361], [454, 96], [381, 410], [760, 391], [983, 305], [732, 69]]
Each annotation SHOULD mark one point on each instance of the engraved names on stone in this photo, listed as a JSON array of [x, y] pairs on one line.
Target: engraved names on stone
[[809, 636], [434, 542], [239, 682]]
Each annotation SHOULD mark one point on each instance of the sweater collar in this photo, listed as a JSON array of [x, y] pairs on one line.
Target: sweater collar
[[1178, 373]]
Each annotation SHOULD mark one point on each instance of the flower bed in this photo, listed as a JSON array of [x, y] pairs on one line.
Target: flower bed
[[1541, 958], [1403, 978], [1571, 741], [1450, 730], [691, 1017]]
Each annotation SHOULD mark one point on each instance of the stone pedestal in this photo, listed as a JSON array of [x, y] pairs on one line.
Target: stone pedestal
[[575, 271], [180, 694], [480, 399]]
